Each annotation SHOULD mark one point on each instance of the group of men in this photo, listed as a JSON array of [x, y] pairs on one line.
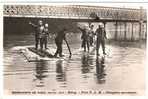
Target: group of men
[[42, 35], [88, 35]]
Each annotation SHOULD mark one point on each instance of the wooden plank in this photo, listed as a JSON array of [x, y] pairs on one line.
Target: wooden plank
[[44, 53], [48, 54], [38, 52]]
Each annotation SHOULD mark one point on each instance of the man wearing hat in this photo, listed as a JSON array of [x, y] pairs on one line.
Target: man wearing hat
[[91, 34], [85, 38], [44, 37], [38, 31], [101, 36]]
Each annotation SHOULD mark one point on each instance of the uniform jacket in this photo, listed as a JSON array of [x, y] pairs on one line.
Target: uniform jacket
[[101, 34]]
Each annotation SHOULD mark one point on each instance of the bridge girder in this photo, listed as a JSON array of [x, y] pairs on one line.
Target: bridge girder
[[77, 12]]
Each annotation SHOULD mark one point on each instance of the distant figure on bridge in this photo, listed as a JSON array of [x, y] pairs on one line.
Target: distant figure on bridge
[[44, 37], [101, 36], [38, 31], [91, 35], [85, 38], [59, 41]]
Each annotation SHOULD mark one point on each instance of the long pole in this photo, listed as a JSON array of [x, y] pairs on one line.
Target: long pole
[[68, 47]]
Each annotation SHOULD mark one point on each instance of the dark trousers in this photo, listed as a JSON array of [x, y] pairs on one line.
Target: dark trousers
[[43, 42], [102, 43], [36, 42], [91, 41], [85, 43], [59, 48]]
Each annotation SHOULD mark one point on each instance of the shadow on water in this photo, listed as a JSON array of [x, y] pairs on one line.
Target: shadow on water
[[86, 61], [60, 76], [100, 72]]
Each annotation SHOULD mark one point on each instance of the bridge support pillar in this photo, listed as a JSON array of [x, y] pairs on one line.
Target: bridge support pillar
[[116, 30], [141, 29], [132, 37], [125, 31], [146, 30]]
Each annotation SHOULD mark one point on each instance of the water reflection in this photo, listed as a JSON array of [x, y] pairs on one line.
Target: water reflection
[[100, 72], [41, 69], [79, 66], [61, 77], [40, 72], [87, 61]]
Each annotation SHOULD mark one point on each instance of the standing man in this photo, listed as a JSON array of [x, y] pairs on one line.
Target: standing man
[[59, 41], [101, 36], [85, 38], [91, 35], [44, 37], [38, 31]]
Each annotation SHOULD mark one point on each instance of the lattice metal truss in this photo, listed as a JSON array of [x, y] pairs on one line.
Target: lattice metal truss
[[74, 11]]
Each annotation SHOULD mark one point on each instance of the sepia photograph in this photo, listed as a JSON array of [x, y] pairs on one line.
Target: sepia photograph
[[74, 49]]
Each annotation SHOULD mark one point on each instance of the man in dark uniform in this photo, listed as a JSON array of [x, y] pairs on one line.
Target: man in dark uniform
[[91, 35], [44, 37], [85, 38], [38, 31], [101, 36], [59, 41]]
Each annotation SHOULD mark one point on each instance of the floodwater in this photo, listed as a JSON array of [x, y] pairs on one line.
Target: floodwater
[[121, 70]]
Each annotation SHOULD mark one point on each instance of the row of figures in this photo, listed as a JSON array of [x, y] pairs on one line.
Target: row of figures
[[89, 37], [93, 38], [42, 36]]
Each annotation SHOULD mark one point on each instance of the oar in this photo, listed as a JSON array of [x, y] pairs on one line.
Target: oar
[[68, 48]]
